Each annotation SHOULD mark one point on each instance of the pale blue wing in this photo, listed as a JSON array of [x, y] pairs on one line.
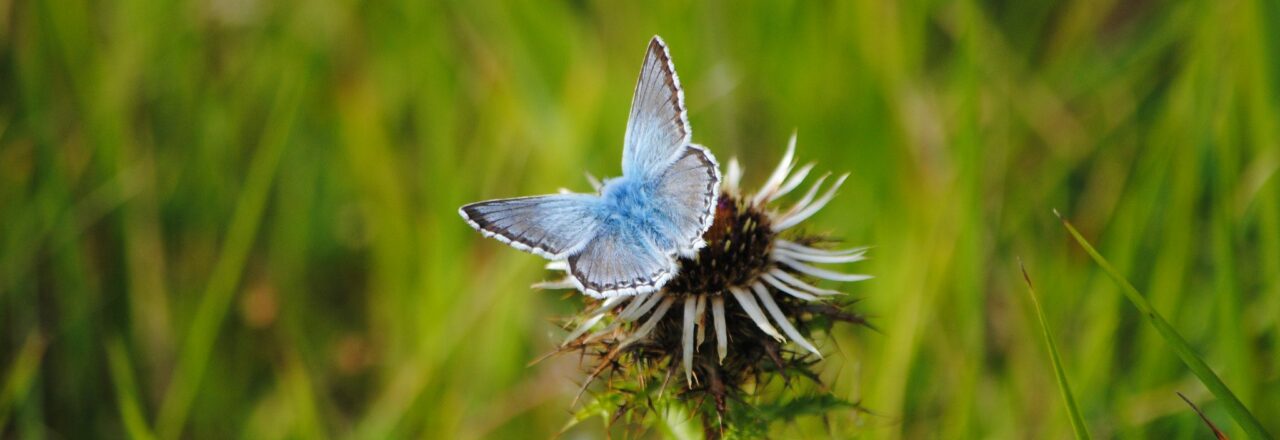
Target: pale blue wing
[[553, 226], [620, 262], [687, 193], [657, 127]]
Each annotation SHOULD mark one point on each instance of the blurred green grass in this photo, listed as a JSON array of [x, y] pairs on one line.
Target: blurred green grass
[[236, 218]]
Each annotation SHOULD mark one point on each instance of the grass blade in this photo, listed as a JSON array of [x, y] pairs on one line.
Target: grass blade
[[135, 423], [220, 291], [1077, 422], [1234, 407], [22, 371]]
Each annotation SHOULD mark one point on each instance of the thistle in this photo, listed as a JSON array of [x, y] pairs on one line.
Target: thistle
[[734, 316]]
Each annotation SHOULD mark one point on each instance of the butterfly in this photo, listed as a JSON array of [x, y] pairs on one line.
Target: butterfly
[[624, 240]]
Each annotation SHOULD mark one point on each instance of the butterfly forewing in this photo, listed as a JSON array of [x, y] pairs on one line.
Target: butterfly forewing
[[658, 126], [551, 226]]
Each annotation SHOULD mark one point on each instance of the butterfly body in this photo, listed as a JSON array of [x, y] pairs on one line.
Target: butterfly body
[[628, 204], [625, 239]]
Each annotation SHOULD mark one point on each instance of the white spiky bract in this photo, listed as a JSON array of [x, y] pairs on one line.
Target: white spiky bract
[[789, 261]]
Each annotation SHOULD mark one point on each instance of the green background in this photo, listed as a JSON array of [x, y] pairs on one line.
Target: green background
[[237, 218]]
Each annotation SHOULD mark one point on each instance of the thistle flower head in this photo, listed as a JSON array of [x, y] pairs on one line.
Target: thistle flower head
[[740, 310]]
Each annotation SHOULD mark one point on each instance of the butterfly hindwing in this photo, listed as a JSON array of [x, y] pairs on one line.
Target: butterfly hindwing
[[620, 262], [687, 192], [658, 125], [552, 226]]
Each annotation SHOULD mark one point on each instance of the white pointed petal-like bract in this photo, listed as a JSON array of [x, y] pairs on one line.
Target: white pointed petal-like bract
[[802, 249], [749, 305], [633, 312], [788, 289], [596, 316], [763, 293], [851, 258], [563, 283], [659, 295], [604, 331], [800, 284], [649, 324], [790, 219], [722, 333], [637, 301], [779, 174], [733, 175], [793, 182], [608, 305], [690, 307], [806, 199], [769, 191], [819, 273], [560, 265], [582, 328]]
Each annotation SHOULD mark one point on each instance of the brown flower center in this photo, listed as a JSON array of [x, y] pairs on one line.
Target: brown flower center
[[737, 251]]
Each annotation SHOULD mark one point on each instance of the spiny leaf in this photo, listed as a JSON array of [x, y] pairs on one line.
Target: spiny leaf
[[807, 405], [603, 405]]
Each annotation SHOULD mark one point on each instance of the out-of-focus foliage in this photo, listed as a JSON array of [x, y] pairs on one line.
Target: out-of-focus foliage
[[237, 218]]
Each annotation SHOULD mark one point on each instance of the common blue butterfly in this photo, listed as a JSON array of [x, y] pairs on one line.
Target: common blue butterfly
[[625, 239]]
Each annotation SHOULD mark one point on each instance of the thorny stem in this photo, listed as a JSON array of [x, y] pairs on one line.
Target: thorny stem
[[717, 389]]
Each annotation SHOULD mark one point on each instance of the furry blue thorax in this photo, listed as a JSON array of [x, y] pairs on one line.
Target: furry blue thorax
[[628, 204]]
